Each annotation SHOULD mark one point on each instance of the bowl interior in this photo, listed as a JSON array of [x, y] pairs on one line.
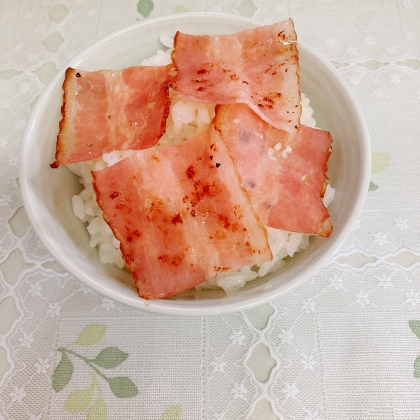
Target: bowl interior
[[47, 192]]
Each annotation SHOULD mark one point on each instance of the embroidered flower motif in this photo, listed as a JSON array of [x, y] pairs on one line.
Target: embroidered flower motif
[[390, 49], [35, 289], [311, 415], [76, 28], [357, 225], [20, 124], [401, 223], [308, 305], [362, 298], [377, 93], [384, 281], [355, 80], [218, 364], [26, 340], [5, 200], [54, 309], [42, 366], [330, 41], [408, 4], [239, 391], [368, 40], [29, 14], [18, 394], [84, 289], [286, 336], [108, 304], [308, 361], [412, 297], [4, 103], [220, 416], [91, 13], [13, 161], [411, 36], [290, 390], [351, 51], [336, 282], [380, 238], [395, 79], [237, 337], [24, 88]]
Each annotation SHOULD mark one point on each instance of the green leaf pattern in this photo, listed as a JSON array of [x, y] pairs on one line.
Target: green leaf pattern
[[79, 401], [82, 400], [145, 7], [415, 327], [172, 413], [110, 358], [90, 335], [98, 411], [373, 186], [380, 162], [123, 387], [181, 9], [246, 8], [62, 374], [417, 367]]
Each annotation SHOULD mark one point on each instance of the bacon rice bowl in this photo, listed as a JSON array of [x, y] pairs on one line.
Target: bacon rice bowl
[[88, 248]]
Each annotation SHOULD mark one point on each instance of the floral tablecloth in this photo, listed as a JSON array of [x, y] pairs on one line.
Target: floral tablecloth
[[345, 345]]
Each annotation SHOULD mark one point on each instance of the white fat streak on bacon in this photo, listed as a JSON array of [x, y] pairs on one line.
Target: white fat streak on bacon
[[115, 83], [79, 122], [72, 107], [121, 127]]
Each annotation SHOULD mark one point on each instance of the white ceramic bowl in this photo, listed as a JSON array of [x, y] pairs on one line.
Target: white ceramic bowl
[[47, 192]]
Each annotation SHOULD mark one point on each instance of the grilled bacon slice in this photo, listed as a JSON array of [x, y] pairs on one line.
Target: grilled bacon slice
[[258, 67], [112, 110], [180, 215], [283, 173]]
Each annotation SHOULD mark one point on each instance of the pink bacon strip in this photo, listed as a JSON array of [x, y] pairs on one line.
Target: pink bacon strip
[[258, 67], [111, 110], [181, 215], [283, 173]]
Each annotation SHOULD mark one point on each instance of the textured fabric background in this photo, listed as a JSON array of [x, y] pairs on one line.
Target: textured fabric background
[[339, 347]]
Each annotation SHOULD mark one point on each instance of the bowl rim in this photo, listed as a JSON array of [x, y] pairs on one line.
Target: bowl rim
[[163, 306]]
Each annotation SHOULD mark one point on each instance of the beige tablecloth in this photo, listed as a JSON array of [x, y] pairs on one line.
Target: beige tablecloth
[[345, 345]]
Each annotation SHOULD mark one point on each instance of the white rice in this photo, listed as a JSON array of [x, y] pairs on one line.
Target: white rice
[[186, 119]]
